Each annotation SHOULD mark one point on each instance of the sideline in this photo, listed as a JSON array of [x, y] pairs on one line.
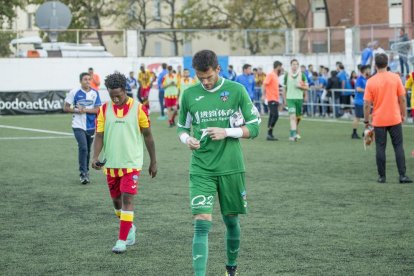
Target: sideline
[[37, 130], [34, 138]]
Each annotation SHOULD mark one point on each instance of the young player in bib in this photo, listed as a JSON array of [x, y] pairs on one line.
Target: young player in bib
[[123, 127]]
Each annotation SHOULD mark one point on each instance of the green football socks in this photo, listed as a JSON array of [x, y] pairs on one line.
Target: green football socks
[[232, 238], [200, 246]]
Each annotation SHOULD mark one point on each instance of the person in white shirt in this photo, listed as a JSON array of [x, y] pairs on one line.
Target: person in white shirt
[[84, 103]]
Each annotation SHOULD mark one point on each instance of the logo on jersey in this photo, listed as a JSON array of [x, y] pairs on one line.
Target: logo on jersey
[[244, 197], [224, 95], [199, 98]]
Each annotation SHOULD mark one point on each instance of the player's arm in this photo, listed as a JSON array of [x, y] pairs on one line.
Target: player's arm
[[69, 101], [368, 99], [359, 88], [67, 108], [150, 145], [184, 126], [94, 110], [402, 101], [97, 148]]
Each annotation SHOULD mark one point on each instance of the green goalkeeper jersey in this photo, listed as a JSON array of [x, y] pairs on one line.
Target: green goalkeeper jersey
[[200, 109]]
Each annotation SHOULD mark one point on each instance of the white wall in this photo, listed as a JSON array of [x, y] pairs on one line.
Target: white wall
[[20, 74]]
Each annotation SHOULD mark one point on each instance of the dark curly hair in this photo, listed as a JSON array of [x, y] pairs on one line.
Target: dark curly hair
[[116, 80], [205, 59]]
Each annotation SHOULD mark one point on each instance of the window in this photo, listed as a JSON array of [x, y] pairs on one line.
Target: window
[[157, 10], [319, 14], [29, 21], [395, 12], [157, 49]]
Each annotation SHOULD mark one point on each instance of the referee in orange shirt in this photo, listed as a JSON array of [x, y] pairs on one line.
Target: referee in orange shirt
[[385, 93], [271, 94]]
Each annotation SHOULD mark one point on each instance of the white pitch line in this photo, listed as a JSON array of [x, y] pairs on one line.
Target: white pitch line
[[34, 138], [37, 130]]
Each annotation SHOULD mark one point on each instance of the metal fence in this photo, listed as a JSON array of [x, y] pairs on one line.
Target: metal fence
[[328, 104], [178, 42]]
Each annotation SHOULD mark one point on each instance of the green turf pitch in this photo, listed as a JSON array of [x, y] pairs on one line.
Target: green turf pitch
[[315, 208]]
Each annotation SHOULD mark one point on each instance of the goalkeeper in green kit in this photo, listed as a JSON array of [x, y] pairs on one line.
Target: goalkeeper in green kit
[[219, 111]]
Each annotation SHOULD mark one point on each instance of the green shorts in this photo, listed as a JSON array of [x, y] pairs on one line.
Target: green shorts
[[231, 191], [295, 107]]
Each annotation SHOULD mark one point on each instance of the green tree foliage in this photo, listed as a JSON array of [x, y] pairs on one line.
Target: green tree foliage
[[250, 22], [7, 13], [136, 15], [87, 14]]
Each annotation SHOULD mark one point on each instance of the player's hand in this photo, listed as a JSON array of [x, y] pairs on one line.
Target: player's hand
[[153, 169], [95, 161], [216, 133], [193, 143], [403, 118]]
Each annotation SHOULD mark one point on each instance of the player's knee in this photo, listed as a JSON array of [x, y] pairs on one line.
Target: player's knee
[[208, 217], [127, 200], [231, 220]]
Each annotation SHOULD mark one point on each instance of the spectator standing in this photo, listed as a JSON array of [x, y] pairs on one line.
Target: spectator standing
[[161, 90], [95, 82], [345, 95], [359, 99], [316, 88], [259, 78], [145, 81], [367, 55], [271, 95], [377, 50], [231, 74], [132, 84], [353, 78], [403, 51], [385, 94], [84, 103], [334, 84], [247, 80], [392, 64]]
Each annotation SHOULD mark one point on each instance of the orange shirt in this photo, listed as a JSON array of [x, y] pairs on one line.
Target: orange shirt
[[383, 90], [95, 82], [271, 84], [121, 111]]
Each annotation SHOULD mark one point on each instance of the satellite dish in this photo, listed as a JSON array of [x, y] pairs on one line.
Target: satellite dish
[[53, 15]]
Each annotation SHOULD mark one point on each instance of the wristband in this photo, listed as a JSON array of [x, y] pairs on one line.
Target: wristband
[[366, 122], [183, 137], [236, 132]]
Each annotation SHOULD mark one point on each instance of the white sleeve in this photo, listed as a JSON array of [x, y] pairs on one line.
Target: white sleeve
[[70, 97]]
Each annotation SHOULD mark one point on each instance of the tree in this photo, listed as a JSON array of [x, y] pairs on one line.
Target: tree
[[253, 22], [7, 14], [88, 14], [136, 17], [8, 10], [171, 22]]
